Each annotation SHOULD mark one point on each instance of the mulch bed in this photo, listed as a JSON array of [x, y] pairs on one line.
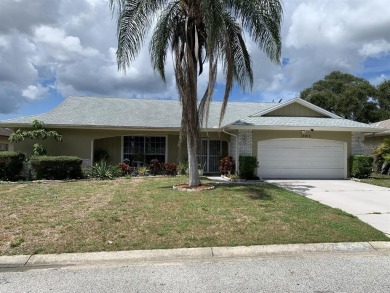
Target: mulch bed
[[186, 187]]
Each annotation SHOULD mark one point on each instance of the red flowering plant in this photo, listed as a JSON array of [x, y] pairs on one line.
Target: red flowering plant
[[155, 167], [125, 168], [170, 169], [227, 166]]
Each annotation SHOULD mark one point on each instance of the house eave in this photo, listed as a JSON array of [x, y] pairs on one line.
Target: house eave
[[314, 128], [376, 134], [107, 127]]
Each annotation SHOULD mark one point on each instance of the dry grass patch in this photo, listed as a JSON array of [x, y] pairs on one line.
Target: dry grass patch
[[146, 213]]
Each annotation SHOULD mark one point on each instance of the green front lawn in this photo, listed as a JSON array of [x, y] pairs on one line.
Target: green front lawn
[[378, 179], [146, 213]]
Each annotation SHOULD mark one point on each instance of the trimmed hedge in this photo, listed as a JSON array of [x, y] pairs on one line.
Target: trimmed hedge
[[247, 167], [11, 165], [56, 167], [361, 166]]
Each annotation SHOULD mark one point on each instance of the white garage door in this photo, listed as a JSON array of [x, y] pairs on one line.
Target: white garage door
[[301, 158]]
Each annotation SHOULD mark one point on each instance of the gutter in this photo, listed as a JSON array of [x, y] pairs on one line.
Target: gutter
[[236, 155]]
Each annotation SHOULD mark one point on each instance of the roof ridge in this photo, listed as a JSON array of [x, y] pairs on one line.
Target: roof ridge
[[161, 99]]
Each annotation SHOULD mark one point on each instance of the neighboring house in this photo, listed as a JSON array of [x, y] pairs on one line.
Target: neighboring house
[[4, 143], [294, 139], [373, 140]]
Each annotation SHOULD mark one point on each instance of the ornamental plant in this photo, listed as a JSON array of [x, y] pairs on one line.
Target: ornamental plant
[[227, 166], [38, 132], [170, 169], [125, 168]]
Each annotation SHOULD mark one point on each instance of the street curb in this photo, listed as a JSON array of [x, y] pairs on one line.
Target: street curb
[[118, 256], [248, 251], [181, 254], [381, 245], [8, 261]]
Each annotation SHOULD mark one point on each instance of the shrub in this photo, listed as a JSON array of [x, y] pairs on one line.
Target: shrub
[[382, 157], [38, 150], [182, 167], [102, 170], [143, 171], [156, 167], [170, 169], [226, 166], [378, 163], [11, 165], [125, 168], [361, 166], [56, 167], [247, 166]]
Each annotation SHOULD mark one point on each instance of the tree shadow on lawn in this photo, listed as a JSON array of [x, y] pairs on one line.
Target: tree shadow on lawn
[[259, 194], [250, 191]]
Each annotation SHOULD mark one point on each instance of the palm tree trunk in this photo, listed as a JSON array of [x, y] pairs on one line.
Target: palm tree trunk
[[194, 179]]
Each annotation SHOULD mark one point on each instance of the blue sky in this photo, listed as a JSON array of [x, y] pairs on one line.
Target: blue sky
[[50, 50]]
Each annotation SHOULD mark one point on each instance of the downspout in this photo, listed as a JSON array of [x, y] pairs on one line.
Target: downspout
[[236, 155]]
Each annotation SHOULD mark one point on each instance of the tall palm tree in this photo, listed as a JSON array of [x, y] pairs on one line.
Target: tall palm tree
[[196, 31]]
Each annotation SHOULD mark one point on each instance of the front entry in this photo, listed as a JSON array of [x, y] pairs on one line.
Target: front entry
[[211, 153]]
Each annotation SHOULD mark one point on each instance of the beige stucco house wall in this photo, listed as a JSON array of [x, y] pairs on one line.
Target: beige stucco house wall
[[373, 140], [248, 129], [83, 143]]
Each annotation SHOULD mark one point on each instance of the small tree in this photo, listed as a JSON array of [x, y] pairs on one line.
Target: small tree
[[39, 132], [382, 153]]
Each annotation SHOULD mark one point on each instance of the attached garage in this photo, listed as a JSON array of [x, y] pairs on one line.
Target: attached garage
[[295, 158]]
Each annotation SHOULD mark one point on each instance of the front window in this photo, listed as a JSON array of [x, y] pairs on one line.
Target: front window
[[143, 149], [3, 147]]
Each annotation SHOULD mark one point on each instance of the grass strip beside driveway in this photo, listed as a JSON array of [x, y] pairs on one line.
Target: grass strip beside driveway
[[378, 179], [146, 213]]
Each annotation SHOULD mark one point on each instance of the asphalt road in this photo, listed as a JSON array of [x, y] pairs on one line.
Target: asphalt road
[[324, 272]]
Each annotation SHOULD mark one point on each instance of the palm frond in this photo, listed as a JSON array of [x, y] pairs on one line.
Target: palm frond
[[213, 11], [262, 19], [163, 35], [134, 21], [235, 59]]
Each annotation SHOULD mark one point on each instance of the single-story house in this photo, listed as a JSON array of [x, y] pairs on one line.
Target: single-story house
[[374, 139], [293, 139], [4, 135]]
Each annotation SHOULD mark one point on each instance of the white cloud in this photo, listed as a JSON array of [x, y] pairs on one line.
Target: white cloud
[[35, 92], [60, 47], [315, 23], [375, 48], [72, 45]]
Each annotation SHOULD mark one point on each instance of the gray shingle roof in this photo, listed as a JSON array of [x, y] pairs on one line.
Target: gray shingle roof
[[100, 112], [307, 122], [384, 123], [135, 113], [5, 132]]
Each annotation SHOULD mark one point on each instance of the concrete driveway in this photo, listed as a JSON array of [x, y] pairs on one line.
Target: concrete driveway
[[369, 203]]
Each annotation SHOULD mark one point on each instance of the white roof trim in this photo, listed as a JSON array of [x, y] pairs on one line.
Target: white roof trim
[[314, 128], [301, 102]]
